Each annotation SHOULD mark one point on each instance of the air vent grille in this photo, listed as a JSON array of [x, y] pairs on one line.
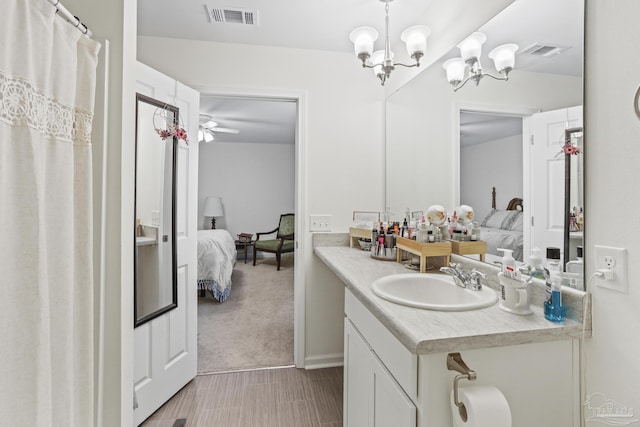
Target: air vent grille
[[227, 15], [543, 50]]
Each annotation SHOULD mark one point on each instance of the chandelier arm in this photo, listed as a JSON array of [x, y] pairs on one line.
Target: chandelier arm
[[417, 64], [504, 78], [464, 82]]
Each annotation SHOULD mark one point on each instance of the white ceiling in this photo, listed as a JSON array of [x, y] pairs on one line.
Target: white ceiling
[[326, 24]]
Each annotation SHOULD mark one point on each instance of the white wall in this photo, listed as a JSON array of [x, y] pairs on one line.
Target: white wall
[[255, 181], [483, 166], [343, 138], [612, 150]]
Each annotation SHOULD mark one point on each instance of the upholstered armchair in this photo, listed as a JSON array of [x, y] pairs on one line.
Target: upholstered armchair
[[283, 243]]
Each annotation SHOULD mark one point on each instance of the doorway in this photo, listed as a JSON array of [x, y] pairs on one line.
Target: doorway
[[251, 163]]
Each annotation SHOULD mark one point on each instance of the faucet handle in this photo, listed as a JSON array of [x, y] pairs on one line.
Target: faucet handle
[[456, 266], [474, 279], [476, 274]]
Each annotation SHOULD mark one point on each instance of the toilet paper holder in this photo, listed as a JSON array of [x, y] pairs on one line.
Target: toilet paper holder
[[455, 363]]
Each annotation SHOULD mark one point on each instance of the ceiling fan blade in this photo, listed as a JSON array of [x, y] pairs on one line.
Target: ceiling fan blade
[[224, 130]]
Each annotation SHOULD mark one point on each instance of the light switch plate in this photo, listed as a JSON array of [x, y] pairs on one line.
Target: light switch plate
[[320, 222], [614, 259]]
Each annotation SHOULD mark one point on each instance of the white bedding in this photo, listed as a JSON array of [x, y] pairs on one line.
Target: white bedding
[[216, 258], [503, 239], [503, 229]]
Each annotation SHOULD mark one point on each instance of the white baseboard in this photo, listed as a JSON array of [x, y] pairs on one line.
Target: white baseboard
[[324, 361]]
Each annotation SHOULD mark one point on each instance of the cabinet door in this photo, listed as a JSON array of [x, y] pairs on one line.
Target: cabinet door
[[372, 397], [391, 405], [358, 369]]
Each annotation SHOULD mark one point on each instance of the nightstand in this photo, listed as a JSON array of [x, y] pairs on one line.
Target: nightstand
[[244, 246]]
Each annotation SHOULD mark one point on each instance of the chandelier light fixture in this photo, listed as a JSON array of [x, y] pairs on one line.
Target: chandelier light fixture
[[503, 56], [381, 61]]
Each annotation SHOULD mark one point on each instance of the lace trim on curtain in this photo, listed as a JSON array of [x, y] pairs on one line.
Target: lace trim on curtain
[[21, 104]]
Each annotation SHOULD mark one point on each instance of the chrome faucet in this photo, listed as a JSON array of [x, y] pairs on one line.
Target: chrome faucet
[[464, 280]]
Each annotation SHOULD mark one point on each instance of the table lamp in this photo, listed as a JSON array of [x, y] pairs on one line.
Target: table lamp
[[213, 208]]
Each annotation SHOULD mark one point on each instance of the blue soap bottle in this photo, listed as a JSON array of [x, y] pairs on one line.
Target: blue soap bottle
[[553, 308]]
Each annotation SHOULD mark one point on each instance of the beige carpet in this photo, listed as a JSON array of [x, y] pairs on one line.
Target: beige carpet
[[253, 328]]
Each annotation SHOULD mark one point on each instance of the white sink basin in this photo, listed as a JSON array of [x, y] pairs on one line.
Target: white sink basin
[[432, 292]]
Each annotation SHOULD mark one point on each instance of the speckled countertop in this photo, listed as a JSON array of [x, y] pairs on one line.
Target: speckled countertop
[[426, 331]]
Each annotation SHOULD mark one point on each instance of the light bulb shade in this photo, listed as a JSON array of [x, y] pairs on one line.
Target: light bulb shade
[[504, 56], [377, 59], [213, 207], [363, 38], [210, 124], [471, 47], [200, 135], [416, 39], [455, 69], [208, 136]]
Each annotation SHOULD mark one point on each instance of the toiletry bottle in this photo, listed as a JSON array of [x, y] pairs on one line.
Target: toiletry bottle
[[551, 267], [374, 240], [554, 310], [509, 264], [453, 222], [404, 228], [575, 269], [535, 261]]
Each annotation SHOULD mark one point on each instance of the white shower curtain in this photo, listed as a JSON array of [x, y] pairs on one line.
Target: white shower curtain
[[47, 86]]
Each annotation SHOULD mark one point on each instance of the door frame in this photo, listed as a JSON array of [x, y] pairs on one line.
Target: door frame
[[522, 112], [300, 97]]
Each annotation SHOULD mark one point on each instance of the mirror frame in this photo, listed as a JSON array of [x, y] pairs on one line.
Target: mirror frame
[[174, 264]]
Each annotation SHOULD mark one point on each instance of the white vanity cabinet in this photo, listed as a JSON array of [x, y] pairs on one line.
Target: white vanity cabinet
[[375, 392], [387, 385], [372, 397]]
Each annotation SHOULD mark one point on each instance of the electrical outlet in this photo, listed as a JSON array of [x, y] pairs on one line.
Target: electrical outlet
[[615, 260], [320, 222]]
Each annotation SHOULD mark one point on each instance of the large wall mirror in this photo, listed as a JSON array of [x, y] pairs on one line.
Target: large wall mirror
[[449, 147], [155, 272]]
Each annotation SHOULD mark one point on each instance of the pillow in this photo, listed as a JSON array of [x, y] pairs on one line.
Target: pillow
[[499, 219], [515, 223]]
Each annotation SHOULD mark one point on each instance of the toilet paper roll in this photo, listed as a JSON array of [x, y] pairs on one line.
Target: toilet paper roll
[[486, 407]]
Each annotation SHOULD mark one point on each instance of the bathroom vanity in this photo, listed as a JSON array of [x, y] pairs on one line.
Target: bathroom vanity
[[395, 356]]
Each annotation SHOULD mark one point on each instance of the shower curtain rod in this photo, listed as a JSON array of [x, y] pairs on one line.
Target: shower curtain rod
[[73, 20]]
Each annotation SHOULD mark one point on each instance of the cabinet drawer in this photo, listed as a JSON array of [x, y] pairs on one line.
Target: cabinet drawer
[[400, 362]]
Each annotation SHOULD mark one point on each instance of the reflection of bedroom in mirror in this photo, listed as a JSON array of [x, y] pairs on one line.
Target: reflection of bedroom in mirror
[[155, 275], [491, 178], [539, 84]]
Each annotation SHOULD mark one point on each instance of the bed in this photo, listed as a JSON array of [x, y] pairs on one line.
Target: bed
[[503, 228], [216, 259]]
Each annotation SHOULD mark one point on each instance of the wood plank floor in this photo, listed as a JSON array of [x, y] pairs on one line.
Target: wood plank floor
[[283, 397]]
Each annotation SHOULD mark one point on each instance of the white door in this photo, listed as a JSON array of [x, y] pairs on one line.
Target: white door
[[165, 348], [547, 176]]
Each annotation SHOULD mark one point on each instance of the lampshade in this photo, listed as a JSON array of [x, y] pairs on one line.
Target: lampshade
[[377, 58], [455, 69], [416, 39], [363, 38], [213, 207], [471, 47], [504, 56]]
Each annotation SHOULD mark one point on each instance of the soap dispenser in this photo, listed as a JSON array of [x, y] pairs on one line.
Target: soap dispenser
[[509, 264]]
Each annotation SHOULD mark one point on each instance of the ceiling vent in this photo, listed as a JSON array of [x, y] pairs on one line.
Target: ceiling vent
[[229, 15], [543, 50]]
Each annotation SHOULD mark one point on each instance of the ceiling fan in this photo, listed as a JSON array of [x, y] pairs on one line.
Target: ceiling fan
[[208, 128]]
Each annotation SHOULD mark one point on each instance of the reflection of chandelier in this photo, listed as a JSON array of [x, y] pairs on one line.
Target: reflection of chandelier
[[504, 58], [382, 60]]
